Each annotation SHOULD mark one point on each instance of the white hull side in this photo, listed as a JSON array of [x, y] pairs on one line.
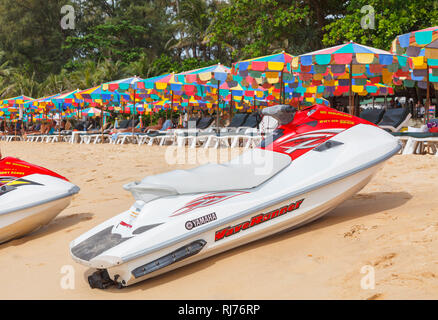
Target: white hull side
[[18, 223], [317, 203]]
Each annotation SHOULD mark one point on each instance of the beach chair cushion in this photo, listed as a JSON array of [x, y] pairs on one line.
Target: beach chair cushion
[[394, 117], [418, 135], [252, 121], [372, 115], [123, 124], [205, 122], [80, 126], [238, 120], [194, 120]]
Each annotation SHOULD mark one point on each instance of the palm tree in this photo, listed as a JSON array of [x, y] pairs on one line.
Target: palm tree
[[142, 67], [110, 71], [193, 21], [57, 83], [87, 76], [6, 85], [25, 84]]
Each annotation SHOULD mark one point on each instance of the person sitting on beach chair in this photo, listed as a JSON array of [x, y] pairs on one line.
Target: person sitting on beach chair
[[2, 127], [159, 126]]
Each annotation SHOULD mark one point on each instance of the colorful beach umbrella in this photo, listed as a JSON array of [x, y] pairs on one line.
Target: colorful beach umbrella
[[350, 61], [422, 47], [209, 76], [274, 70], [13, 105], [93, 112]]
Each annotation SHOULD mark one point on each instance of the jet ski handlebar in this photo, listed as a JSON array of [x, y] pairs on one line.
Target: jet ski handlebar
[[283, 113]]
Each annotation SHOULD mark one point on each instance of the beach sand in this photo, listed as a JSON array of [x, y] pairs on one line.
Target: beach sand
[[391, 225]]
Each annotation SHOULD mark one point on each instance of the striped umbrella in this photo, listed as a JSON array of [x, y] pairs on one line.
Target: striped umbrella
[[348, 61], [93, 112], [422, 47], [272, 69]]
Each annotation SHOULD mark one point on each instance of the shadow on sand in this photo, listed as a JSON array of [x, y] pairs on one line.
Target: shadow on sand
[[360, 205]]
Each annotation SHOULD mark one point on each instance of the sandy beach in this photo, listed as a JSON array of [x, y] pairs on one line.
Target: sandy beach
[[391, 225]]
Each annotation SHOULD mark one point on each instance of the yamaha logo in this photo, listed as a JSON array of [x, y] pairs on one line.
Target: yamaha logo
[[189, 225], [200, 221]]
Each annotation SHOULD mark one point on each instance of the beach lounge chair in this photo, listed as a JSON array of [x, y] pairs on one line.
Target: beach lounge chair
[[418, 142], [122, 124], [195, 135], [157, 137], [127, 137], [204, 123], [12, 137], [237, 121], [252, 121], [372, 115], [247, 139], [193, 121], [126, 124], [395, 119], [225, 136]]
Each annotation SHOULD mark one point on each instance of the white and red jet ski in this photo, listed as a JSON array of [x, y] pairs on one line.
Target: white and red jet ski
[[30, 197], [314, 160]]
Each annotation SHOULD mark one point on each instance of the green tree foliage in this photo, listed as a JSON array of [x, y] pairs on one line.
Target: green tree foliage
[[391, 18], [123, 32], [248, 28], [31, 36]]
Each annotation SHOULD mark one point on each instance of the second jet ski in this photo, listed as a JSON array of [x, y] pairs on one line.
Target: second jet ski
[[30, 197]]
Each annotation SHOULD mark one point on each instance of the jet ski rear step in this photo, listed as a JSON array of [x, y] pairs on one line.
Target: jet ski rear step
[[171, 258], [101, 279]]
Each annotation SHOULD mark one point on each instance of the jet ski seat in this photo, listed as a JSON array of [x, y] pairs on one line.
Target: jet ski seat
[[247, 171]]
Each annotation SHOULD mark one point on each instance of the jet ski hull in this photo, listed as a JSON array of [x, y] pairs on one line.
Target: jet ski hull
[[21, 222], [166, 259], [169, 229], [30, 197], [316, 204]]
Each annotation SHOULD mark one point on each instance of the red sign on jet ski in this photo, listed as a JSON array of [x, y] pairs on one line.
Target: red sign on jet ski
[[256, 220], [310, 128], [12, 167]]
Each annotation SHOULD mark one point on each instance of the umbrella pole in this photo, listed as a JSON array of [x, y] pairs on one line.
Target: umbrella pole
[[281, 89], [231, 106], [171, 105], [426, 116], [133, 114], [217, 106], [351, 89], [59, 128], [101, 122]]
